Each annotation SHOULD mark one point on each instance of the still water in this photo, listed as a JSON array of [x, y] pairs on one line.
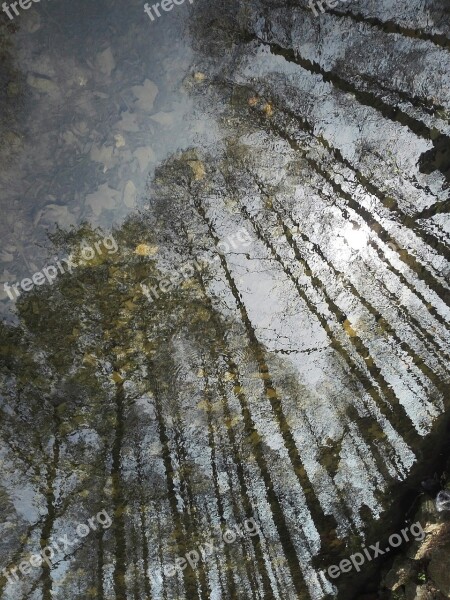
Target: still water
[[224, 284]]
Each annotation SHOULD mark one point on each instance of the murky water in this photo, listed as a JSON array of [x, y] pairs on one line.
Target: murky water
[[228, 233]]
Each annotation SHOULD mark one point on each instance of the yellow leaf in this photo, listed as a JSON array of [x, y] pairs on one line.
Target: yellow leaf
[[349, 329], [146, 250], [116, 377], [89, 359], [198, 168], [268, 109]]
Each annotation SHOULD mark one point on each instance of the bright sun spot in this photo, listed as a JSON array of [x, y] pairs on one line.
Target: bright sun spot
[[356, 238]]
